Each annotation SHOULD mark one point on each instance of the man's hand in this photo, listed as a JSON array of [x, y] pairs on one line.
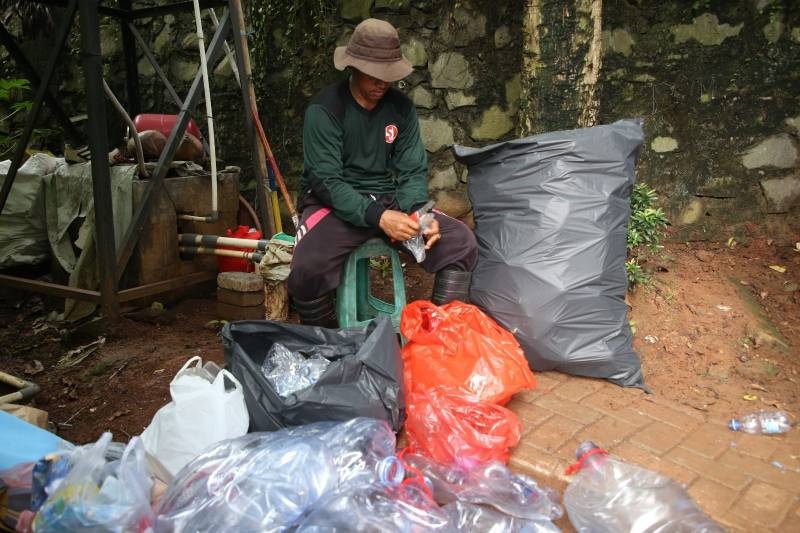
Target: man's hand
[[432, 234], [399, 226]]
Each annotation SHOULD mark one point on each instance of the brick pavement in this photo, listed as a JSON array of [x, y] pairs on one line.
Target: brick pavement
[[730, 475]]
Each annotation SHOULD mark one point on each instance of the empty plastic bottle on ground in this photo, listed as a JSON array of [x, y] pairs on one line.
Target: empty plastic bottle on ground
[[609, 495], [762, 423]]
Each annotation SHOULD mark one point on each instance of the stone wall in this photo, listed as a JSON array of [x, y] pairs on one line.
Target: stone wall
[[716, 83]]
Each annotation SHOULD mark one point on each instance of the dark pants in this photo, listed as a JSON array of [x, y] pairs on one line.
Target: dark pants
[[324, 242]]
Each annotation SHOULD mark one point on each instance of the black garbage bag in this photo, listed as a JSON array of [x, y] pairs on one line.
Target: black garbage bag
[[364, 377], [551, 215]]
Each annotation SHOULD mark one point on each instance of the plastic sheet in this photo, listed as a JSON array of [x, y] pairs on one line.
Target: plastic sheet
[[266, 481], [551, 215], [452, 427], [459, 346], [364, 377], [608, 495], [100, 496], [289, 371]]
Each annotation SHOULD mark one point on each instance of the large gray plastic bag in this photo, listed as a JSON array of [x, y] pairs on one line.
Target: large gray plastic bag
[[551, 215]]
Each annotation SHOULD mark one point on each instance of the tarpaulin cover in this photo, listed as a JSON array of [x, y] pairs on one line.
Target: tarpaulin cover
[[551, 216], [364, 377], [23, 238]]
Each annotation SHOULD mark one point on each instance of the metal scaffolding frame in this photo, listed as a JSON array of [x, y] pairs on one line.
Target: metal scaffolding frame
[[113, 259]]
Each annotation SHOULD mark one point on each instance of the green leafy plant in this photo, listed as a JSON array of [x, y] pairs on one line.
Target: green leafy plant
[[645, 230], [382, 264], [13, 102]]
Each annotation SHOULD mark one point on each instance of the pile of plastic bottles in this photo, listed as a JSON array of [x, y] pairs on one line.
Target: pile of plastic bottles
[[289, 371]]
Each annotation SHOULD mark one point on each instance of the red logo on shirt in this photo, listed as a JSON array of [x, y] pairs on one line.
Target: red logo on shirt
[[391, 133]]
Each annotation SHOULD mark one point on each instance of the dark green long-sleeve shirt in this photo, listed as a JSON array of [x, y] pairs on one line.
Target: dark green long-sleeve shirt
[[350, 153]]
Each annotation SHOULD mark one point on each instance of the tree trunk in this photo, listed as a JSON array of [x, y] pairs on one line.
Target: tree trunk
[[562, 59]]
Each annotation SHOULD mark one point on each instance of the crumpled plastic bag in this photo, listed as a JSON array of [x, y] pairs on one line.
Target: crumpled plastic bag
[[97, 495], [416, 244], [452, 427], [458, 345], [277, 260]]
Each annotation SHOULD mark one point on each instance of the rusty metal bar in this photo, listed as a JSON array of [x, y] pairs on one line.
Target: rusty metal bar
[[98, 145], [52, 289]]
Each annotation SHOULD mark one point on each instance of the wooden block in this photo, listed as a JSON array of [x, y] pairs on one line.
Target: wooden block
[[240, 281], [240, 299]]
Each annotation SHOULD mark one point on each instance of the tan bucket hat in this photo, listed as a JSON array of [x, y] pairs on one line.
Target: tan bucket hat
[[374, 49]]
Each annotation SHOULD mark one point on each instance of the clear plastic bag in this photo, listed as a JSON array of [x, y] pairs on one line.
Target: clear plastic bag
[[97, 495], [266, 481], [290, 371], [375, 508], [608, 495], [416, 244]]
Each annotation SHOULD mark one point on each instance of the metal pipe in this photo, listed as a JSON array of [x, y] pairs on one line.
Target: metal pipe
[[213, 241], [254, 257], [210, 118], [27, 389], [125, 117]]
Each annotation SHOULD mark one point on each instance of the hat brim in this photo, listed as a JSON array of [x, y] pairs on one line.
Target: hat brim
[[388, 72]]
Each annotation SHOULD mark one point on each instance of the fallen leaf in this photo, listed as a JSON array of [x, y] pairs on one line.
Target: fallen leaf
[[750, 397], [724, 307], [756, 386], [778, 268], [33, 367], [769, 242]]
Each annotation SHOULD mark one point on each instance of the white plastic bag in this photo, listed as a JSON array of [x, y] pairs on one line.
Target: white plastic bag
[[200, 414]]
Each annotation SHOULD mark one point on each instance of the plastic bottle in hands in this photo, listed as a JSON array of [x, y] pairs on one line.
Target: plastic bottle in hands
[[609, 495], [416, 244], [762, 423]]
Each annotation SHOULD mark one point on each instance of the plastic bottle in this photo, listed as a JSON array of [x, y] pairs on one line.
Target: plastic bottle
[[608, 495], [762, 423]]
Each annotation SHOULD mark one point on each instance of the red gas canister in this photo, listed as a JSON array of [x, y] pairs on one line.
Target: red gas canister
[[233, 264], [162, 124]]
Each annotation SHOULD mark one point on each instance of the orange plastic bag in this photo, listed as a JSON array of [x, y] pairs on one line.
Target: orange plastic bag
[[453, 427], [458, 345]]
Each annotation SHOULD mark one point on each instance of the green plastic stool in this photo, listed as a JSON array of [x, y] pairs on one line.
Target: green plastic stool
[[355, 303]]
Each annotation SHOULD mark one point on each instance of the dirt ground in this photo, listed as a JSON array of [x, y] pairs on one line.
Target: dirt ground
[[717, 329]]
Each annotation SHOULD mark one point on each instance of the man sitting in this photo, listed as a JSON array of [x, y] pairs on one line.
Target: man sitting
[[365, 171]]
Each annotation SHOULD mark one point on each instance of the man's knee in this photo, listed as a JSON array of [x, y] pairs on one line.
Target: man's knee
[[464, 240]]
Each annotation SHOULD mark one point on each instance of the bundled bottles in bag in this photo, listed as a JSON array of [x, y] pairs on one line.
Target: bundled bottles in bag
[[267, 481], [762, 423], [608, 495], [489, 497], [290, 371], [97, 494]]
